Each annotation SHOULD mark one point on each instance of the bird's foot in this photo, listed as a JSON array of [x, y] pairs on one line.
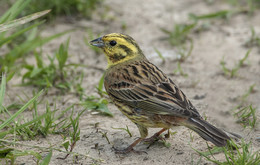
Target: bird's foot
[[153, 139], [157, 137], [130, 148]]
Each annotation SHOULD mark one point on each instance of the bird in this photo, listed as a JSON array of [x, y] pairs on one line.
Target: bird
[[146, 95]]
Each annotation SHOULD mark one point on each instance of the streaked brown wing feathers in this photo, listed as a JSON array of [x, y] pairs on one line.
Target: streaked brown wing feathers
[[155, 95]]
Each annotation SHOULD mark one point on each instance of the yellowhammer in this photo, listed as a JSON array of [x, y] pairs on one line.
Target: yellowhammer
[[146, 95]]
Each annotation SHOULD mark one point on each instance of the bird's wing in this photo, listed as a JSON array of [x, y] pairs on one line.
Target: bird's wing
[[163, 98]]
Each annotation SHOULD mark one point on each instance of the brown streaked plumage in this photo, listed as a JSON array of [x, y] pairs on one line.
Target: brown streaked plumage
[[144, 94]]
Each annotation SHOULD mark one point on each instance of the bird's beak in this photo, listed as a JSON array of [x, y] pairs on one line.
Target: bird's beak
[[98, 42]]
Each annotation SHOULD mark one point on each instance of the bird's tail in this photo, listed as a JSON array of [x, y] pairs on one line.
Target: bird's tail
[[209, 132]]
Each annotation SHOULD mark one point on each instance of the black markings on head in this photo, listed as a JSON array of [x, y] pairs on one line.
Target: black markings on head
[[126, 49], [116, 57]]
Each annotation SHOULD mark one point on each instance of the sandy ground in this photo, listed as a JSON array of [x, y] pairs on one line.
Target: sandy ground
[[144, 20]]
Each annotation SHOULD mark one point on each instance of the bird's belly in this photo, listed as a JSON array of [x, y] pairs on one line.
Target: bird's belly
[[142, 119]]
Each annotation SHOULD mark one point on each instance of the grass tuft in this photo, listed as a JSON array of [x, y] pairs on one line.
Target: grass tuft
[[97, 104], [159, 55], [57, 73], [233, 71], [180, 33], [246, 116], [125, 129], [253, 41], [219, 14], [234, 154], [63, 7]]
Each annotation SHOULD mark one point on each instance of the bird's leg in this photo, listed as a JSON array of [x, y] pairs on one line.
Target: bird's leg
[[129, 148], [143, 132], [168, 134], [155, 137]]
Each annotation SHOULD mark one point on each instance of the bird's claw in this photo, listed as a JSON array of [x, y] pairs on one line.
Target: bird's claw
[[153, 139]]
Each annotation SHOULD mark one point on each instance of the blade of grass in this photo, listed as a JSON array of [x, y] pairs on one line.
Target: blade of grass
[[47, 159], [62, 54], [205, 155], [100, 91], [159, 54], [36, 43], [11, 37], [14, 11], [36, 119], [16, 153], [2, 90], [28, 46], [125, 129], [12, 24], [218, 14], [6, 122]]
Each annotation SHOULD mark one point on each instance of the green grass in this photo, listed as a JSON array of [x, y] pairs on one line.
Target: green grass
[[159, 55], [184, 53], [52, 121], [125, 129], [23, 40], [246, 116], [254, 40], [18, 22], [63, 7], [250, 90], [104, 134], [219, 14], [249, 6], [245, 113], [12, 154], [100, 87], [232, 72], [51, 75], [179, 34], [234, 154], [5, 111], [97, 104], [74, 136], [179, 70], [178, 37], [27, 129], [8, 125], [42, 119], [58, 73], [46, 160]]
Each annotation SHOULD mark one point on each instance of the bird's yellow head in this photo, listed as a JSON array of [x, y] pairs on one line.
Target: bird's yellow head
[[118, 48]]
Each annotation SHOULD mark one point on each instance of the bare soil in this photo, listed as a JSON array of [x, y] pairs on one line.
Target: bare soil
[[143, 20]]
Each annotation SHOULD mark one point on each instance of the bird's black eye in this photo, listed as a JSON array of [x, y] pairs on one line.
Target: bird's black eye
[[112, 43]]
